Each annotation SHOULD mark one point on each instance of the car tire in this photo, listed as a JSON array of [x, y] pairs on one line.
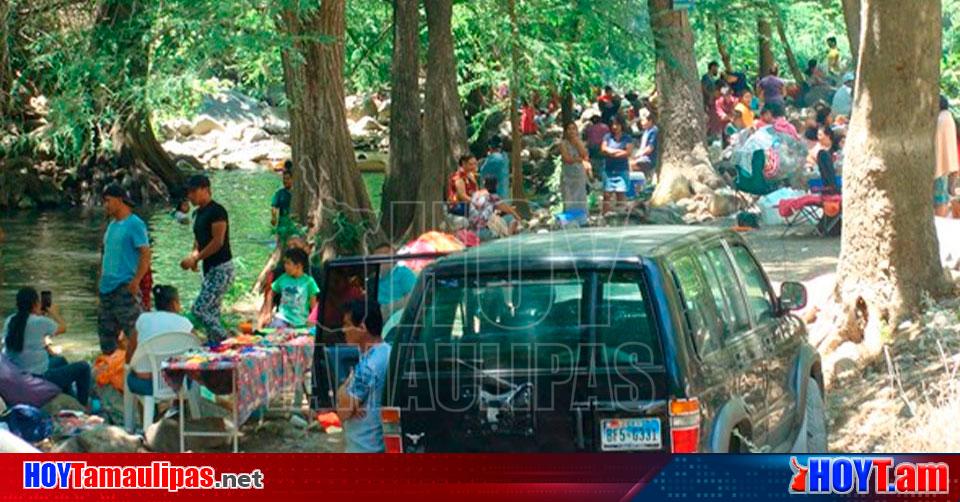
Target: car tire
[[814, 426]]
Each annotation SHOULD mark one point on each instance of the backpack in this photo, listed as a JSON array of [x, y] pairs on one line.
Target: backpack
[[29, 423]]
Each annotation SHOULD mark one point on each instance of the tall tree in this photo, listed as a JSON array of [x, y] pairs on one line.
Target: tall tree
[[788, 50], [889, 253], [851, 17], [327, 183], [722, 48], [445, 129], [685, 165], [403, 174], [123, 32], [764, 42], [516, 162]]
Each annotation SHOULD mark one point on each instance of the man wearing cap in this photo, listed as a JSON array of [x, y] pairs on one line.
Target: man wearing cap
[[843, 98], [126, 259], [211, 231]]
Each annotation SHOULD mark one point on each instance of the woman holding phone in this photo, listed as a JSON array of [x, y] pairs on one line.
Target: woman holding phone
[[24, 342]]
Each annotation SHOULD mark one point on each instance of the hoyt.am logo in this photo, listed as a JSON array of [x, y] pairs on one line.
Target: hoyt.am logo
[[878, 475]]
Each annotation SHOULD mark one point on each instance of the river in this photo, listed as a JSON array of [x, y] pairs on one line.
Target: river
[[59, 250]]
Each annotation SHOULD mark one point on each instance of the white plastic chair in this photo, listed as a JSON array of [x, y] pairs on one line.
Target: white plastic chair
[[156, 350]]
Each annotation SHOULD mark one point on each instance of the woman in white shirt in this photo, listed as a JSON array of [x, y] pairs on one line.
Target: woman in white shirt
[[165, 319], [24, 340]]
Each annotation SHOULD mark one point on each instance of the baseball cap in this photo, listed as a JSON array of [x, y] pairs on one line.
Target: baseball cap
[[197, 181], [115, 190]]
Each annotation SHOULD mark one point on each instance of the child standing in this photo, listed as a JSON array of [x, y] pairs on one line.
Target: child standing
[[298, 291]]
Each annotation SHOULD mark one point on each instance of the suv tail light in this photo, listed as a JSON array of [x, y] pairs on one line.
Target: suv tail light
[[392, 438], [685, 425]]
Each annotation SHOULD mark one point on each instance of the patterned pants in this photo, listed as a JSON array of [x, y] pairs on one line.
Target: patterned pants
[[206, 308]]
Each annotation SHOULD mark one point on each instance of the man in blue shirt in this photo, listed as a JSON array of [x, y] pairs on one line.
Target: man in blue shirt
[[649, 144], [358, 399], [497, 165], [126, 259]]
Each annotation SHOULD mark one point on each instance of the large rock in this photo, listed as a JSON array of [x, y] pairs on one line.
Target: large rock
[[204, 124], [261, 151], [196, 148], [677, 187], [62, 402], [232, 107], [366, 125], [104, 439], [164, 436], [722, 203]]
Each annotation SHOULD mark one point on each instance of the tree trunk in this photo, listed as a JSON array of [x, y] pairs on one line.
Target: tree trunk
[[764, 39], [445, 129], [127, 23], [6, 75], [516, 161], [889, 253], [722, 49], [685, 165], [327, 183], [403, 173], [791, 58], [851, 17]]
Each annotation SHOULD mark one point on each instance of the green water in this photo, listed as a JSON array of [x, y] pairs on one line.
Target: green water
[[60, 251]]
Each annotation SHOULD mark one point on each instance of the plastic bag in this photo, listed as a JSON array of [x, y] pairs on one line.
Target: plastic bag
[[109, 369]]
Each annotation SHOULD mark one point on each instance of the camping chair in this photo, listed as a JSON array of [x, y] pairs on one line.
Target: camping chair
[[157, 350], [754, 183], [823, 211]]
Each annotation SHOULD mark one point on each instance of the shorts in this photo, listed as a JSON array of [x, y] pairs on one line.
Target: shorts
[[616, 181], [118, 311], [941, 190]]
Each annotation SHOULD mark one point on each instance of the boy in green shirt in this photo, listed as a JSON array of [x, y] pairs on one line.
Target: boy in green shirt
[[298, 291]]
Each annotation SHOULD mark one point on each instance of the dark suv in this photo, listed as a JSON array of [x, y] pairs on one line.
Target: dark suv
[[653, 338]]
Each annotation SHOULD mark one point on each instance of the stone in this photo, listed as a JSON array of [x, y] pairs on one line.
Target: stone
[[253, 134], [61, 403], [677, 187], [103, 439], [253, 153], [232, 107], [195, 148], [722, 204], [164, 436], [205, 124]]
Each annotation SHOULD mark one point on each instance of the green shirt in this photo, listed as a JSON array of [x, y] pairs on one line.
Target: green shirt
[[295, 296], [281, 201]]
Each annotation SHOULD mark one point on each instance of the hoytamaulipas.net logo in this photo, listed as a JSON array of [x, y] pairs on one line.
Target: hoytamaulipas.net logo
[[156, 476], [864, 475]]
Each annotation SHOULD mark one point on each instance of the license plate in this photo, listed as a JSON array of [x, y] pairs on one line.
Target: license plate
[[622, 434]]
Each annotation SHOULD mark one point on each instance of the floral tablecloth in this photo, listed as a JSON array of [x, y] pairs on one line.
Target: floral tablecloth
[[263, 366]]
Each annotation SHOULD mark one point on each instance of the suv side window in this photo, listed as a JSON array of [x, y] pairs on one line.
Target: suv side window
[[729, 288], [625, 330], [699, 304], [758, 293]]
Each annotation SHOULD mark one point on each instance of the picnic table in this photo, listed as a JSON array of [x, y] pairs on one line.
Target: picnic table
[[252, 369]]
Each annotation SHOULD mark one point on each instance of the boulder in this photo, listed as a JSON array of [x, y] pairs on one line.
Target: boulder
[[164, 436], [677, 187], [253, 134], [205, 124], [62, 402], [722, 203], [232, 107], [354, 106], [245, 154], [103, 439], [196, 148]]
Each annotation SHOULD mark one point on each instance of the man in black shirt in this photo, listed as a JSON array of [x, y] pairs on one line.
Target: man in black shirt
[[211, 231]]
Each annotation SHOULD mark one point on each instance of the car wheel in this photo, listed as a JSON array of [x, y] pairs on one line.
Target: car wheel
[[814, 426]]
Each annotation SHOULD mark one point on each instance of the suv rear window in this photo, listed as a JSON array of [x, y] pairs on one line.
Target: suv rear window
[[535, 321]]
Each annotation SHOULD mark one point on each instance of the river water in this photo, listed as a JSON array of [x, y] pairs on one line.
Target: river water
[[60, 251]]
